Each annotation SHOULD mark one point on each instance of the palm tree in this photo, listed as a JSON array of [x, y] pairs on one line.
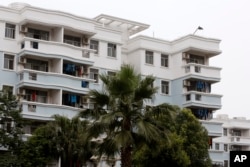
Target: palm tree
[[120, 115], [63, 139], [71, 140]]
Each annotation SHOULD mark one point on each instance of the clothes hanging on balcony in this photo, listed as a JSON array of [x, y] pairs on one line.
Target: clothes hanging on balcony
[[203, 113], [80, 70], [73, 98], [69, 69], [203, 86], [33, 96], [70, 99]]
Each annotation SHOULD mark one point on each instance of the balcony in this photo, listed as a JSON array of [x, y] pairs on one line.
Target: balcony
[[57, 49], [52, 80], [44, 111], [202, 71], [239, 140], [200, 99]]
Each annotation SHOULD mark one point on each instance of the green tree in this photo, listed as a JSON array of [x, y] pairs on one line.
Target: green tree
[[62, 138], [10, 130], [40, 149], [188, 145], [195, 138], [168, 152], [120, 114]]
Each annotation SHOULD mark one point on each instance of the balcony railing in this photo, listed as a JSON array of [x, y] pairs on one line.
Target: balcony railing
[[54, 80], [194, 98], [36, 67], [203, 70], [35, 98], [58, 48]]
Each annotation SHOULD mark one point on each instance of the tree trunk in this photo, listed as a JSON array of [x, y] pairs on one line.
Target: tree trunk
[[126, 157]]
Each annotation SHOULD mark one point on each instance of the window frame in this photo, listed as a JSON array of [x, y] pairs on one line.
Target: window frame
[[94, 74], [10, 31], [165, 87], [113, 48], [226, 147], [72, 40], [7, 59], [164, 60], [38, 34], [224, 131], [94, 44], [149, 57], [8, 89], [217, 146]]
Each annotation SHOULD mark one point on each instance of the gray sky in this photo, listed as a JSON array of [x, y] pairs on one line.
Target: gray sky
[[228, 20]]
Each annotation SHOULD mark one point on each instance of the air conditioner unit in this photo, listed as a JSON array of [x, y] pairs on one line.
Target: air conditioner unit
[[22, 60], [186, 83], [23, 29], [185, 56]]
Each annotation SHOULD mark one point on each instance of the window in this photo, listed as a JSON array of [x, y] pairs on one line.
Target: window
[[111, 50], [94, 45], [165, 87], [217, 146], [94, 74], [31, 108], [32, 76], [38, 34], [164, 60], [197, 69], [36, 96], [196, 59], [6, 125], [37, 65], [10, 30], [198, 97], [225, 131], [85, 84], [236, 132], [149, 57], [9, 62], [225, 163], [7, 89], [72, 40], [34, 44], [225, 147], [111, 73]]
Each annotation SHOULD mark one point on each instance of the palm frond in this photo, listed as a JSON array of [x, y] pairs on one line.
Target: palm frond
[[145, 89], [96, 129], [147, 129], [123, 138], [109, 148], [100, 98]]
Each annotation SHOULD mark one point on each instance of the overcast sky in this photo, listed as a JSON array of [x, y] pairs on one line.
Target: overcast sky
[[228, 20]]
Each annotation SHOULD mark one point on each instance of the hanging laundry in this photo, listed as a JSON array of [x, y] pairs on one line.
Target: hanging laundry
[[73, 98], [33, 96]]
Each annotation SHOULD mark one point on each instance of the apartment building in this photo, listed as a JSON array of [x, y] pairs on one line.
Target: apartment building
[[51, 59], [232, 135]]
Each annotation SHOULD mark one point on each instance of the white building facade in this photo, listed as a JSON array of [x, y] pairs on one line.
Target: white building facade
[[51, 59]]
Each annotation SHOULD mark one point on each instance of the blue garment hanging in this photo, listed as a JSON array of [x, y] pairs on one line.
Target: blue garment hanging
[[73, 98]]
